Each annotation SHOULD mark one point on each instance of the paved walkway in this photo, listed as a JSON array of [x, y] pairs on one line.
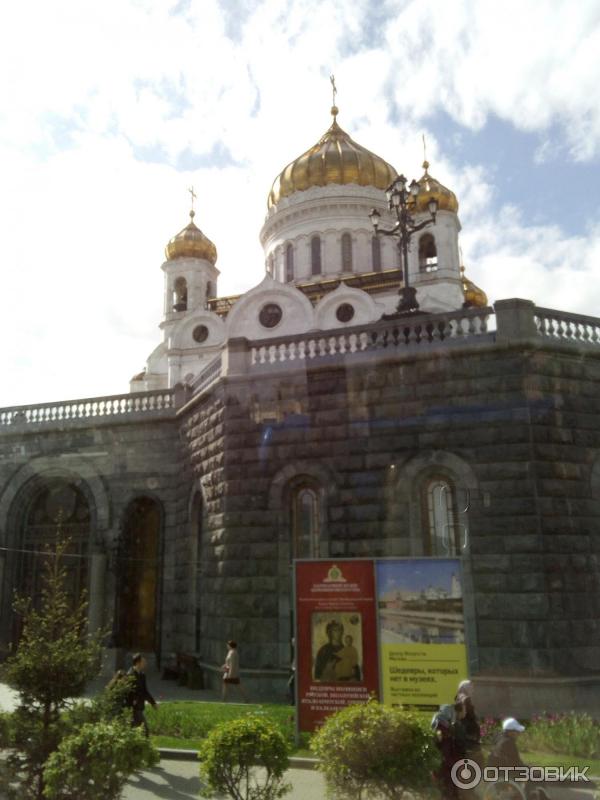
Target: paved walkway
[[178, 780]]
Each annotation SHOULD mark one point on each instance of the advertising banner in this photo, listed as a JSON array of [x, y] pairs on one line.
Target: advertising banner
[[336, 637], [421, 631]]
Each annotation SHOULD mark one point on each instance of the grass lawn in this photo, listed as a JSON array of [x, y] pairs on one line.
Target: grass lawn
[[191, 721], [183, 725]]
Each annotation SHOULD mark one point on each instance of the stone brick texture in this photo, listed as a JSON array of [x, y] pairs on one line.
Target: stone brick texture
[[525, 420]]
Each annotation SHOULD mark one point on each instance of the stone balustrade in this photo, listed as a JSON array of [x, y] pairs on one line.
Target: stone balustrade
[[419, 331], [512, 321], [208, 376], [561, 326], [155, 403]]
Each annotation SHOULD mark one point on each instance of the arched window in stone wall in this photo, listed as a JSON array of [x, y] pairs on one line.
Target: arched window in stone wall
[[210, 290], [441, 532], [346, 252], [376, 253], [289, 263], [138, 575], [315, 255], [180, 295], [428, 261], [58, 509], [305, 519]]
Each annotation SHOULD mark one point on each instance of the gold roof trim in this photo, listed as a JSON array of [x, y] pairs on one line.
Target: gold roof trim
[[474, 296]]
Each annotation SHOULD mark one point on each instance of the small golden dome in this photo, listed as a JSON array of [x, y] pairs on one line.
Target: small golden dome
[[336, 158], [191, 243], [429, 187], [474, 296]]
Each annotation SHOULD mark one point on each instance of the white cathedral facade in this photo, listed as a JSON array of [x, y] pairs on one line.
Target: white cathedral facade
[[324, 266]]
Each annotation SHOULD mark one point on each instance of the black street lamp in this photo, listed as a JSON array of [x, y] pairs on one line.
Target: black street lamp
[[398, 196]]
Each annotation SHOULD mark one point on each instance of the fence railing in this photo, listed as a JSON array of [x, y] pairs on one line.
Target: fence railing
[[153, 402], [209, 375], [564, 327], [417, 331]]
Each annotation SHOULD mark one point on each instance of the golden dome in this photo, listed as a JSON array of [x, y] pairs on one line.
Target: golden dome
[[429, 187], [474, 296], [336, 158], [191, 243]]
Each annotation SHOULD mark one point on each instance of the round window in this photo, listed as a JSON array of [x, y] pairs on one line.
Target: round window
[[345, 312], [270, 315], [200, 333]]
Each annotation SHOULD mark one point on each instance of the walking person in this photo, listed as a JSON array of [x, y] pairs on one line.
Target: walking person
[[231, 671], [470, 724], [444, 731], [139, 692]]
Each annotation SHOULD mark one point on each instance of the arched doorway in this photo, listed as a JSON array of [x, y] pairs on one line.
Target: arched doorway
[[138, 576], [57, 510]]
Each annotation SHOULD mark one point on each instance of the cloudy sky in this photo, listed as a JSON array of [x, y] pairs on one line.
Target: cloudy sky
[[109, 111]]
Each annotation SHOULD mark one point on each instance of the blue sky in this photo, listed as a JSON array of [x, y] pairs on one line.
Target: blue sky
[[111, 110], [415, 575]]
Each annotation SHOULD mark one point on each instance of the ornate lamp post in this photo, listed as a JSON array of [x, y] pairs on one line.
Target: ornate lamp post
[[398, 196]]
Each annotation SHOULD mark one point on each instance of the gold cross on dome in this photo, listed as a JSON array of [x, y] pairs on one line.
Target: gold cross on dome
[[333, 87], [192, 195]]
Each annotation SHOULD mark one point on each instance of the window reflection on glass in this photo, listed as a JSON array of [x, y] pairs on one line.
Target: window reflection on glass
[[346, 252], [305, 523], [442, 533], [289, 263], [315, 255], [376, 253]]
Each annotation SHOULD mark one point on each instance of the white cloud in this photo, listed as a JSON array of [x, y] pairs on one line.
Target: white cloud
[[103, 100]]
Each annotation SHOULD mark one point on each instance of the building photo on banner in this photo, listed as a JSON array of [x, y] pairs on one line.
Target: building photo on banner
[[392, 628]]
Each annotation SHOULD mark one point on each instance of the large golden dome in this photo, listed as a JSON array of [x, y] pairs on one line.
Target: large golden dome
[[430, 187], [336, 158], [191, 243]]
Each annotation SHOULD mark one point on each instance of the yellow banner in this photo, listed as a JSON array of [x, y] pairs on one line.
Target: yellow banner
[[423, 675]]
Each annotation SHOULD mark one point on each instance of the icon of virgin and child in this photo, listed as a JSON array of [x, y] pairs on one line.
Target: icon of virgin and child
[[337, 659]]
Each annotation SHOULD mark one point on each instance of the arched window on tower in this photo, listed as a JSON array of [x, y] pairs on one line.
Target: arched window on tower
[[315, 255], [270, 265], [210, 290], [289, 263], [441, 531], [346, 252], [376, 253], [305, 519], [180, 295], [428, 261]]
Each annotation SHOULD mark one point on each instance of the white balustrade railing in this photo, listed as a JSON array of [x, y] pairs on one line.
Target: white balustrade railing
[[561, 326], [65, 410], [412, 331], [208, 376]]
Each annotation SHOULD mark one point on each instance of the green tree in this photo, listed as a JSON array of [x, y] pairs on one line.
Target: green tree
[[245, 759], [95, 762], [56, 657], [371, 750]]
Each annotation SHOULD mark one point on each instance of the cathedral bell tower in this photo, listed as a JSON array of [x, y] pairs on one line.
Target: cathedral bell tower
[[190, 274]]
